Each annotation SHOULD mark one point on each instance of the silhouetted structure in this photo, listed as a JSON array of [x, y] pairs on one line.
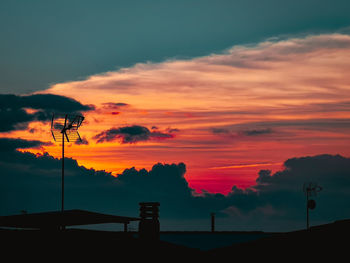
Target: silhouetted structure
[[212, 222], [149, 226], [310, 189], [54, 220], [65, 127]]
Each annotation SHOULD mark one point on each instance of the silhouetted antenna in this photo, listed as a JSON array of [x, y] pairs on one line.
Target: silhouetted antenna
[[65, 127], [310, 189]]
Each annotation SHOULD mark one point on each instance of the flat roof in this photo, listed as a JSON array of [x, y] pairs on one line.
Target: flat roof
[[56, 219]]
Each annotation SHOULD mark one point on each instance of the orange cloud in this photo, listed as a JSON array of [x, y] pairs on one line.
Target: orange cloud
[[294, 71]]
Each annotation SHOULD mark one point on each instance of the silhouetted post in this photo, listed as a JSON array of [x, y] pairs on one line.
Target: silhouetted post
[[149, 224], [310, 189], [62, 181], [62, 187], [67, 128], [212, 222], [126, 227], [307, 210]]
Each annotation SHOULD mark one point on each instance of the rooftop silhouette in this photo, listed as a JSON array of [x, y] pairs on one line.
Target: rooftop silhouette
[[55, 219]]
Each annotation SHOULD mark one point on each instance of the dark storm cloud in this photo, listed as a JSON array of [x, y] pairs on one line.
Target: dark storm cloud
[[256, 132], [247, 132], [166, 180], [276, 202], [32, 183], [279, 127], [83, 141], [13, 115], [220, 131], [114, 105], [130, 134], [310, 124], [328, 170], [173, 130], [10, 144], [279, 197], [42, 101]]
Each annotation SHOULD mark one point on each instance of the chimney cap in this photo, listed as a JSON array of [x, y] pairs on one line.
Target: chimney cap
[[149, 203]]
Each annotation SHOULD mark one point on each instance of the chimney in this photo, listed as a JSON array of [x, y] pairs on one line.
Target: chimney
[[149, 226]]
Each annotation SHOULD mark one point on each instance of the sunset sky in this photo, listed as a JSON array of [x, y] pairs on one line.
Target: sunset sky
[[225, 115], [228, 88]]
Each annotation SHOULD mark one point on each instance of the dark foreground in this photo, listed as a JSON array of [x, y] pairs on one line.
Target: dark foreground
[[74, 244], [327, 241]]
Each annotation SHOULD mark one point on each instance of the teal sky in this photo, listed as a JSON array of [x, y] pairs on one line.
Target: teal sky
[[45, 42]]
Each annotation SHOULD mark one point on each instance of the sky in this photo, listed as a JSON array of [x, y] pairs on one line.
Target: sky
[[221, 94]]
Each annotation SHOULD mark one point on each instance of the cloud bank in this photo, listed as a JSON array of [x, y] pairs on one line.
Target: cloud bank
[[32, 182], [17, 111], [131, 134]]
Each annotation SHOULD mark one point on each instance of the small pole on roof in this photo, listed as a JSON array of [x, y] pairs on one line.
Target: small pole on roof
[[212, 222]]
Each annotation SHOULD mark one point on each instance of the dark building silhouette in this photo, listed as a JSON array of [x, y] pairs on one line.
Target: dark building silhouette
[[55, 220], [149, 226]]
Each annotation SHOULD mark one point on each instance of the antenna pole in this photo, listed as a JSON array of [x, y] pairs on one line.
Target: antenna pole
[[62, 188], [307, 209], [62, 124], [62, 205]]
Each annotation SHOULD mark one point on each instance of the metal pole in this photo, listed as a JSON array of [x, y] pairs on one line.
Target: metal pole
[[62, 187], [307, 209], [212, 222], [62, 194]]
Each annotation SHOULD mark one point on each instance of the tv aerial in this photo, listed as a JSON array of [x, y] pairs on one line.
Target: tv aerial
[[64, 127], [310, 189]]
